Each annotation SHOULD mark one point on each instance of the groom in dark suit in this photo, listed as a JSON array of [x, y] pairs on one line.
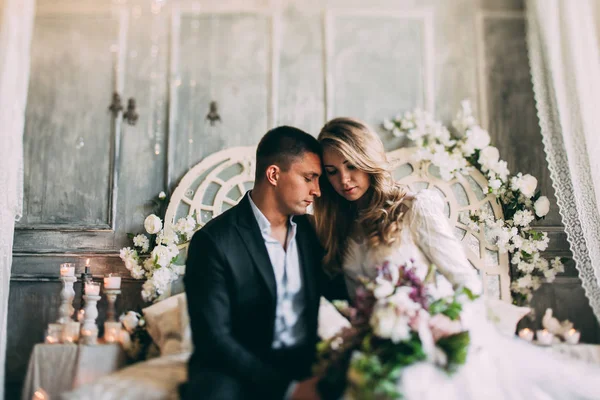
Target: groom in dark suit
[[253, 282]]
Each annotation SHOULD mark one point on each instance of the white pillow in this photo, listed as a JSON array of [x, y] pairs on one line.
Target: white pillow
[[163, 321], [505, 315]]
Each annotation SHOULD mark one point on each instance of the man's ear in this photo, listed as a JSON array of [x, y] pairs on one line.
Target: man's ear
[[272, 174]]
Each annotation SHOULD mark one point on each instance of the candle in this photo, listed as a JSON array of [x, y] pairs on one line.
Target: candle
[[87, 266], [40, 394], [112, 281], [53, 333], [111, 331], [67, 269], [92, 288], [544, 337], [71, 332], [526, 334], [572, 336]]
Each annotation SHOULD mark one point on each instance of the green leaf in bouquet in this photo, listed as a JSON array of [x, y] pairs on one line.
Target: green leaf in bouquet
[[131, 235], [456, 348]]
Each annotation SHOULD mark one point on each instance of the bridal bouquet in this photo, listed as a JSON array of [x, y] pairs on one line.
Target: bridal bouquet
[[395, 323]]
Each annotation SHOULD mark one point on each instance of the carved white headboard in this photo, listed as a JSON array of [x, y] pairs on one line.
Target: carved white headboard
[[219, 181]]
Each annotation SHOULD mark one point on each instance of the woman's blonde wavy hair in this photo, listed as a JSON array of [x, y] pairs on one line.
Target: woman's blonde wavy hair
[[334, 215]]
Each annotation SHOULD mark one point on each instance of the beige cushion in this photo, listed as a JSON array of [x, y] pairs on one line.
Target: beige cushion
[[186, 330], [163, 321], [505, 315]]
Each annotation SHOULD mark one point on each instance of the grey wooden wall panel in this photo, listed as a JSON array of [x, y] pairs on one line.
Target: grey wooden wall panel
[[375, 66], [141, 170], [301, 77], [223, 58], [512, 117], [69, 91]]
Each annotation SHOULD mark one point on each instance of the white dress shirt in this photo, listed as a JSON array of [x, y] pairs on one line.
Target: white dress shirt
[[289, 328]]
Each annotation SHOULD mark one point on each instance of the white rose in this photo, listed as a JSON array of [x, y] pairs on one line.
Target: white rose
[[489, 157], [152, 224], [526, 184], [541, 206], [384, 289]]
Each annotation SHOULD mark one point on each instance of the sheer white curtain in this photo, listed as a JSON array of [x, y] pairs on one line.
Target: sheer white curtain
[[563, 38], [16, 28]]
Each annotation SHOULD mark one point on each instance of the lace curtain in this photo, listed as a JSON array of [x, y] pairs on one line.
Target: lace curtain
[[16, 26], [563, 37]]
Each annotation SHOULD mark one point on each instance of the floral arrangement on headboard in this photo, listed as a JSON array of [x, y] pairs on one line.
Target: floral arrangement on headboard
[[157, 257]]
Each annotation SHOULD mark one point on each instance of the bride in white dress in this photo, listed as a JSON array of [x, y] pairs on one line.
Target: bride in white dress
[[363, 218]]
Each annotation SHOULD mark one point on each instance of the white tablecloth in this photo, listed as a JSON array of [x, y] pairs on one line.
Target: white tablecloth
[[57, 368], [582, 352]]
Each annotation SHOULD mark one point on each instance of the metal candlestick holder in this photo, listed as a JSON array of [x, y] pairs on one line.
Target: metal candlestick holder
[[89, 330], [67, 294], [111, 296]]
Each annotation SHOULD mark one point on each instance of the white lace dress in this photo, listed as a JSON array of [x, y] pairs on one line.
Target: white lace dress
[[498, 367]]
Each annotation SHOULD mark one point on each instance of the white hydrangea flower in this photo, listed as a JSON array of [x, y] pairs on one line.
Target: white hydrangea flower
[[166, 237], [185, 226], [523, 218], [152, 224], [162, 278], [525, 267], [142, 242], [488, 158], [137, 272], [149, 290], [557, 265], [525, 281]]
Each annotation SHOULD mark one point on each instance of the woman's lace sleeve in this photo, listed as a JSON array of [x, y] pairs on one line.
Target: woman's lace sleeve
[[434, 236]]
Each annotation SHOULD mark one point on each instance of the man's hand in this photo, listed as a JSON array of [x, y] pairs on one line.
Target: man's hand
[[306, 390]]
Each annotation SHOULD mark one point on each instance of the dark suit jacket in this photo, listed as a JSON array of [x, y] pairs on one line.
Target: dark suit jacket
[[231, 295]]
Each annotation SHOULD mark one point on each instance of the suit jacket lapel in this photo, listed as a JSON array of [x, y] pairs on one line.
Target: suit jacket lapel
[[254, 242], [306, 264]]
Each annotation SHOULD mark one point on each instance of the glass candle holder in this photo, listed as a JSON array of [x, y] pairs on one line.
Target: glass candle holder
[[67, 269], [544, 337], [526, 334], [70, 332], [92, 288], [572, 336], [112, 281], [112, 331], [53, 333]]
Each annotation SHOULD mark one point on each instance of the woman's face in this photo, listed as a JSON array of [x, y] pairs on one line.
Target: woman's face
[[347, 180]]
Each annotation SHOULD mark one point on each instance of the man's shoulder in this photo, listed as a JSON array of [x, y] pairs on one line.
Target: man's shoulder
[[221, 225]]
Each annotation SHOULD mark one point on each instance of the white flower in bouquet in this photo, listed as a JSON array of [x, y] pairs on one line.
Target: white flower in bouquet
[[142, 242], [166, 237], [488, 158], [383, 289], [557, 265], [542, 244], [149, 264], [401, 330], [403, 303], [525, 267], [162, 195], [186, 226], [523, 218], [388, 124], [152, 224], [525, 281], [500, 170], [130, 320], [383, 320], [541, 264], [137, 272], [464, 118], [476, 139], [162, 278], [162, 255], [550, 275], [526, 184], [541, 206], [495, 184], [149, 290]]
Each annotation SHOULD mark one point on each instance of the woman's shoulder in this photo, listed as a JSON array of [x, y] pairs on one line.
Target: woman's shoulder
[[425, 201]]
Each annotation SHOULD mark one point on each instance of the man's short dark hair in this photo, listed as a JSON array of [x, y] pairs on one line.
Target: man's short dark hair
[[281, 146]]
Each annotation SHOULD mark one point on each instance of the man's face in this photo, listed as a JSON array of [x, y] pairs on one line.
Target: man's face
[[298, 187]]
